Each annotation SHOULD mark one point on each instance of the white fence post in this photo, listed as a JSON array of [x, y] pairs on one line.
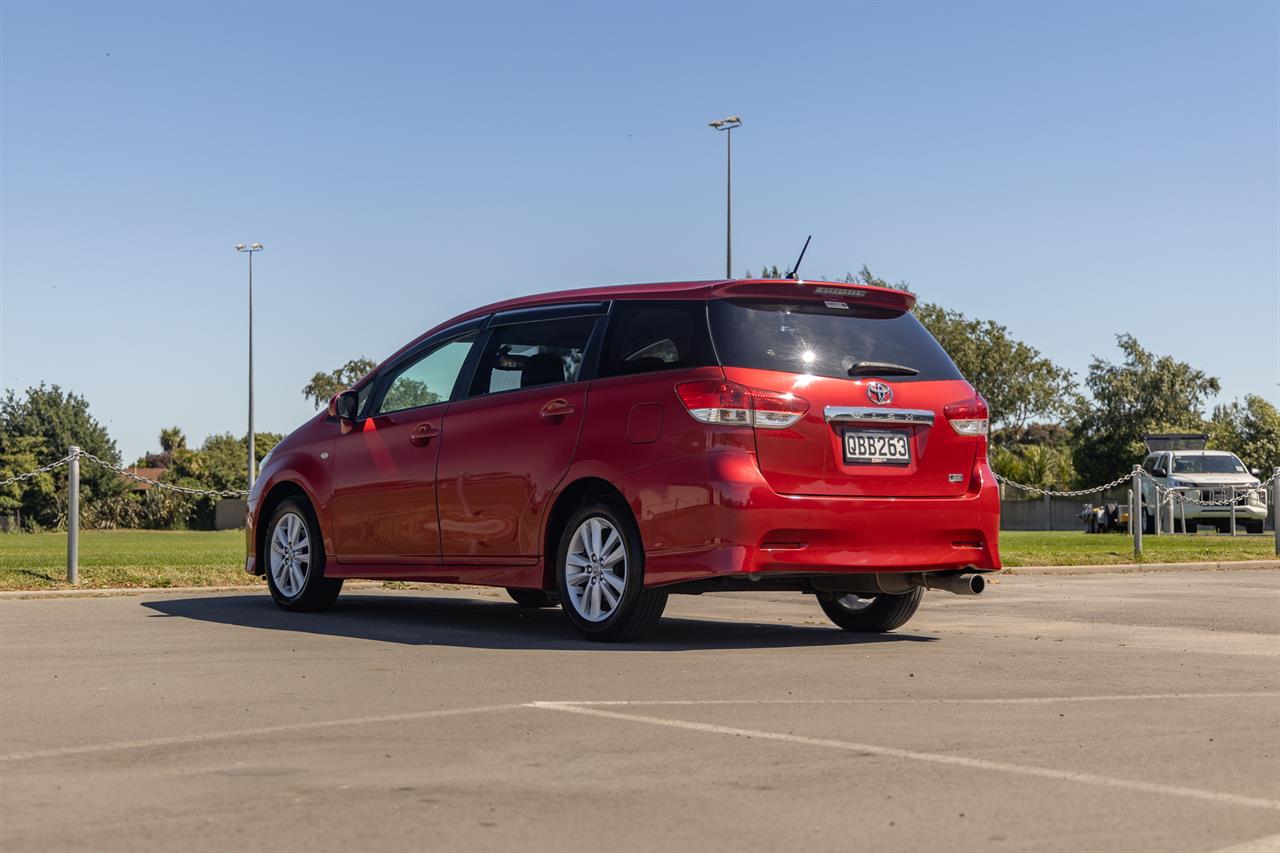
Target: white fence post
[[1233, 510], [1135, 514], [1275, 505], [73, 516]]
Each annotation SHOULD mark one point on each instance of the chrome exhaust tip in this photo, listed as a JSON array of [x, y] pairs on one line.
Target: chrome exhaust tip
[[969, 583]]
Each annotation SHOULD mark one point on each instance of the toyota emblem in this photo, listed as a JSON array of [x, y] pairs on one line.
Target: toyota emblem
[[879, 393]]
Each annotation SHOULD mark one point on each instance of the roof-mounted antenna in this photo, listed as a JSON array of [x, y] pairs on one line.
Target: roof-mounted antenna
[[794, 269]]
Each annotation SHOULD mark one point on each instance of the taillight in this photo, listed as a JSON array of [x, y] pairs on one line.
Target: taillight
[[968, 417], [719, 401], [715, 401]]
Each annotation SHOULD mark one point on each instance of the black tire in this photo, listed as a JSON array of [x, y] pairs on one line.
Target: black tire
[[882, 613], [637, 609], [316, 592], [1252, 526], [533, 597], [1148, 523]]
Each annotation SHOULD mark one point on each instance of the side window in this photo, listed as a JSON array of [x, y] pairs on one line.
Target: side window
[[531, 354], [427, 379], [646, 336]]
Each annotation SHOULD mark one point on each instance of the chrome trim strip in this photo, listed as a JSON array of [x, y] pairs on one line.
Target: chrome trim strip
[[843, 414]]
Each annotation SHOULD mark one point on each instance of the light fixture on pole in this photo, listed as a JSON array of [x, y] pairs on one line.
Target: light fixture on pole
[[727, 124], [249, 250]]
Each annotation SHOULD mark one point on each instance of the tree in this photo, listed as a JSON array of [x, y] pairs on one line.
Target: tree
[[324, 385], [43, 424], [1035, 465], [21, 455], [172, 440], [1251, 431], [1145, 393], [221, 464], [864, 276], [1019, 383]]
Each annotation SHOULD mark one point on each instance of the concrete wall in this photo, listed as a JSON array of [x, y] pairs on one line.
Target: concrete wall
[[229, 514]]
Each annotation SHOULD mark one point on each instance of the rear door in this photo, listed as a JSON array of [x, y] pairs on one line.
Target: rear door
[[878, 388], [509, 443]]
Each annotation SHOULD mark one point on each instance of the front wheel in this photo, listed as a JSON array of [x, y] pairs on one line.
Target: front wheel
[[600, 571], [294, 553], [872, 614]]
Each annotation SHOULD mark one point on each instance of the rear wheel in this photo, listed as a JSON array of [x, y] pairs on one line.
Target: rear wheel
[[600, 570], [1252, 527], [533, 597], [872, 614], [294, 555]]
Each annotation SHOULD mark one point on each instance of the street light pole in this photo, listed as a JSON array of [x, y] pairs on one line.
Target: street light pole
[[250, 250], [727, 125]]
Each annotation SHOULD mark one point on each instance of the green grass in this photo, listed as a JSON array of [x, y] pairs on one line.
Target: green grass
[[1077, 548], [122, 558], [149, 558]]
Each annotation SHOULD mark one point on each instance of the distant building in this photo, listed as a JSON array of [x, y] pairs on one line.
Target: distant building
[[149, 473]]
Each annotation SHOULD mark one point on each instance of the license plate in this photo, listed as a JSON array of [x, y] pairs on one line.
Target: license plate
[[877, 447]]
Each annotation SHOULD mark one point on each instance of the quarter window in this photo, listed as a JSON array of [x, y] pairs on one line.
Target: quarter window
[[427, 380], [527, 355], [649, 336]]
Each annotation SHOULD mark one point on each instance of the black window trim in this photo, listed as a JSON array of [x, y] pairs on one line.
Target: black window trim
[[555, 311]]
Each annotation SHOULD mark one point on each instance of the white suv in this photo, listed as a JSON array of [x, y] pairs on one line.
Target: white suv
[[1179, 461]]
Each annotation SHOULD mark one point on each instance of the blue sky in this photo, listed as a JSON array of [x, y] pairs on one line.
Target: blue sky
[[1072, 171]]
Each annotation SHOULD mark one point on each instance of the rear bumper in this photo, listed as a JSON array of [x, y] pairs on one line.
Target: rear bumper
[[713, 515]]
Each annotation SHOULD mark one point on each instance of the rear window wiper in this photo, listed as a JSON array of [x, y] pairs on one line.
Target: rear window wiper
[[880, 368]]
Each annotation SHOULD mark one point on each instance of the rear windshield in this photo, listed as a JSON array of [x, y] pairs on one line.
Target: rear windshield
[[816, 338], [1207, 465]]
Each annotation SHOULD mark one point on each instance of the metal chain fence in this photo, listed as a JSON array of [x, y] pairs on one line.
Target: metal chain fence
[[52, 465], [186, 490], [1074, 493], [125, 472]]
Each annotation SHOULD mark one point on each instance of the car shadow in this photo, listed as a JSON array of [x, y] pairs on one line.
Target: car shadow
[[472, 623]]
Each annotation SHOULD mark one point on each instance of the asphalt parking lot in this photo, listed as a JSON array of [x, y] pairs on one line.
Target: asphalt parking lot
[[1104, 712]]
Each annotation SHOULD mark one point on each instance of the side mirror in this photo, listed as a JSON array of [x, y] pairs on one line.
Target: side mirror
[[1159, 472], [344, 406], [1257, 472]]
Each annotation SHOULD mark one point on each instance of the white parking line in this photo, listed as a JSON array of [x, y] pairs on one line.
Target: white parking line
[[1010, 700], [1270, 844], [144, 743], [932, 757]]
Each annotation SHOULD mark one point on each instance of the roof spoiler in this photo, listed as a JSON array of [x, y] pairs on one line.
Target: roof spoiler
[[888, 297], [1159, 442]]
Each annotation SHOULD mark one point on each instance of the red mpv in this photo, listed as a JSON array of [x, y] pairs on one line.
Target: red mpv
[[604, 448]]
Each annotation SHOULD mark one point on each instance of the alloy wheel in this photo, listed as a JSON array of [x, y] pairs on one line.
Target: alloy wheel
[[596, 569], [290, 554]]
